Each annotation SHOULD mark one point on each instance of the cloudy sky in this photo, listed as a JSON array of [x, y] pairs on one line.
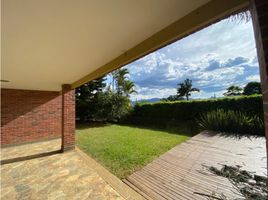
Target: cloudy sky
[[214, 58]]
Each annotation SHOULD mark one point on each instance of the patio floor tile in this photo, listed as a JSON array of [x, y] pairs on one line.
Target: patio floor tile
[[59, 176]]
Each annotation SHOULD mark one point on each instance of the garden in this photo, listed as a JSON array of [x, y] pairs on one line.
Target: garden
[[124, 137], [125, 149]]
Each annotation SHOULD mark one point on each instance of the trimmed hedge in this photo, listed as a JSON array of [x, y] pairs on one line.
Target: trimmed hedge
[[162, 113]]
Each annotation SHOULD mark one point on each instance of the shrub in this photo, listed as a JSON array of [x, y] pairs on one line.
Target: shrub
[[232, 122], [103, 107], [161, 114], [188, 110]]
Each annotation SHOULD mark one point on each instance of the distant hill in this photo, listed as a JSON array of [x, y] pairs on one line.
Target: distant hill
[[153, 100]]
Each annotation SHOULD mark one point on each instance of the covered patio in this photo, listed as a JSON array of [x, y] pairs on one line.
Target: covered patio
[[72, 175], [49, 48], [59, 176]]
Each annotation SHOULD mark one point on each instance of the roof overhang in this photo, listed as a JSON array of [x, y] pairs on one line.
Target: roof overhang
[[49, 43]]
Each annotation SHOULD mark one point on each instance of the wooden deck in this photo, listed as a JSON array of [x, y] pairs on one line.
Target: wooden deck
[[181, 173]]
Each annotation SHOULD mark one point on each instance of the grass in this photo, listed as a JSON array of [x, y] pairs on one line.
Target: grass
[[124, 149]]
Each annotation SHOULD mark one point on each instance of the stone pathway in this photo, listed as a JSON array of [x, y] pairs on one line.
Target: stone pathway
[[60, 176]]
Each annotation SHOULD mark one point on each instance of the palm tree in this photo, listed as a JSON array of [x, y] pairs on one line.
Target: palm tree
[[119, 77], [185, 89], [129, 87], [114, 75], [123, 85], [241, 16]]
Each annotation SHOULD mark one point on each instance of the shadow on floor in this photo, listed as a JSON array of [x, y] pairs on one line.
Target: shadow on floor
[[30, 151], [18, 159]]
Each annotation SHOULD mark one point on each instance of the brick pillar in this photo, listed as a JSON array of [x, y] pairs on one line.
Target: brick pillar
[[68, 118], [259, 12]]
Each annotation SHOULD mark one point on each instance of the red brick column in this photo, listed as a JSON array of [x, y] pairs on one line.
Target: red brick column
[[259, 12], [68, 118]]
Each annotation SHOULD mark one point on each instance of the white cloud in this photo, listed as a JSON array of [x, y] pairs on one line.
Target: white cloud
[[213, 58], [149, 93], [253, 78]]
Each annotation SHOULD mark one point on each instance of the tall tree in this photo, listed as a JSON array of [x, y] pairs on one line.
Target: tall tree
[[86, 95], [119, 77], [252, 88], [128, 88], [233, 90], [114, 76], [186, 88], [124, 86], [90, 88]]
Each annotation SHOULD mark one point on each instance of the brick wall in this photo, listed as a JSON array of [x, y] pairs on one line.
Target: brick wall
[[259, 11], [68, 118], [28, 116]]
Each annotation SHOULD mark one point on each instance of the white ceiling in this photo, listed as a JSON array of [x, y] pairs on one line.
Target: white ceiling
[[47, 43]]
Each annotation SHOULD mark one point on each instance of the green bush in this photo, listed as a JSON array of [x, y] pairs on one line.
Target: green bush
[[103, 106], [163, 113], [231, 122], [109, 106]]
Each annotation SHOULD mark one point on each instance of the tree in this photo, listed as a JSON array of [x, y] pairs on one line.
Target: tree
[[252, 88], [242, 16], [109, 106], [172, 98], [128, 88], [96, 102], [86, 97], [119, 77], [233, 90], [124, 86], [185, 89]]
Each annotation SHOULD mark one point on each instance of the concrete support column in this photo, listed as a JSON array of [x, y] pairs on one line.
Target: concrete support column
[[259, 12], [68, 118]]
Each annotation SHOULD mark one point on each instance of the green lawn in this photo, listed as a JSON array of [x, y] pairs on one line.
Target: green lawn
[[124, 149]]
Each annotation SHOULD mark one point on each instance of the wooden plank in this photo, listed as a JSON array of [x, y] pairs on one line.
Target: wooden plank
[[164, 191], [137, 189], [181, 177], [177, 186], [179, 173], [148, 188], [198, 183]]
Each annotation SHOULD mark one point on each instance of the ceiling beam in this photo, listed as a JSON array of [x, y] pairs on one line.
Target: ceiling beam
[[194, 21]]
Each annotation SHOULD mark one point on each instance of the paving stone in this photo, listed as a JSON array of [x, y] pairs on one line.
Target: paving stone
[[55, 177]]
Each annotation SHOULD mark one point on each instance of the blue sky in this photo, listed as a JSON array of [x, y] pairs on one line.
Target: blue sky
[[214, 58]]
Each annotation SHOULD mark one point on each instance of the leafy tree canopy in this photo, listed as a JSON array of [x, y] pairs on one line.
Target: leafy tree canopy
[[233, 90], [186, 88], [252, 88], [124, 86], [85, 97], [96, 102], [173, 98]]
